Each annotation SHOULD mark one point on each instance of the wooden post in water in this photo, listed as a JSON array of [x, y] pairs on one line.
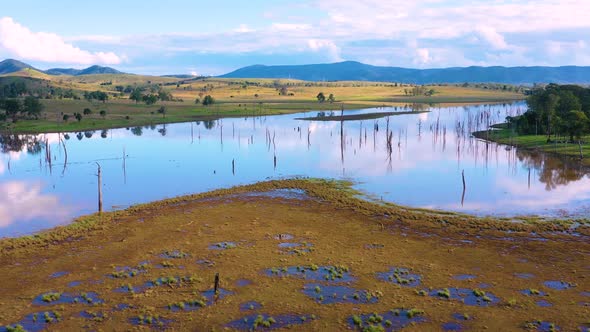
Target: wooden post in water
[[99, 174], [233, 166], [464, 187], [216, 287]]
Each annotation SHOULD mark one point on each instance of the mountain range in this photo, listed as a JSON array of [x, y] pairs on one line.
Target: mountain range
[[10, 66], [356, 71]]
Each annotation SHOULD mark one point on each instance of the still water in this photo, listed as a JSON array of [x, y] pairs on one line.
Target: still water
[[414, 160]]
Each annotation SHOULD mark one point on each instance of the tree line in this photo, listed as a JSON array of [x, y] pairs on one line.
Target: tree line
[[555, 110], [28, 108]]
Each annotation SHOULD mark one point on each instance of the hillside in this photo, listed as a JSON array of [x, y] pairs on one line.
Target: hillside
[[356, 71], [9, 66]]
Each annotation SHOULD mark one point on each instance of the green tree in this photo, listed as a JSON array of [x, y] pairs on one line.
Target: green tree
[[87, 111], [208, 100], [331, 98], [66, 117], [321, 97], [576, 124], [78, 116], [32, 107], [150, 99], [136, 95], [103, 113], [12, 107]]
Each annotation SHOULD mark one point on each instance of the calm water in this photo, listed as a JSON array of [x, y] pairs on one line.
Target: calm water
[[421, 166]]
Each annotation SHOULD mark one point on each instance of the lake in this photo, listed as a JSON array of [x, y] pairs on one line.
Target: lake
[[413, 159]]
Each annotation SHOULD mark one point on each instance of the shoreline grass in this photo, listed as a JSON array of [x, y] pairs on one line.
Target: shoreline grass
[[336, 192]]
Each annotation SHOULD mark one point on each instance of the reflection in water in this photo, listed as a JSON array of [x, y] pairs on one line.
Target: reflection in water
[[24, 203], [552, 171], [416, 159]]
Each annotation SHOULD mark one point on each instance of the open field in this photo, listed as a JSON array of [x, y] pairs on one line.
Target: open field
[[281, 262], [234, 98], [539, 143]]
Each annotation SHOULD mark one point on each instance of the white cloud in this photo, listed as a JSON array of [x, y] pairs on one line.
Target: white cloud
[[423, 56], [318, 45], [47, 47], [495, 39], [243, 28]]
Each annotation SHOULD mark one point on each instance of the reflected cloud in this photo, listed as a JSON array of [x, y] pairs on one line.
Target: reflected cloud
[[24, 201]]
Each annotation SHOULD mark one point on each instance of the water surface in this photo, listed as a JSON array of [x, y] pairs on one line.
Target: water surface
[[414, 160]]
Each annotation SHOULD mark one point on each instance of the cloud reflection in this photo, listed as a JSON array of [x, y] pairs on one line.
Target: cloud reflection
[[24, 202]]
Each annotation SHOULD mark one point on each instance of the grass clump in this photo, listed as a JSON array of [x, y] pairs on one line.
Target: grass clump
[[50, 297], [446, 293]]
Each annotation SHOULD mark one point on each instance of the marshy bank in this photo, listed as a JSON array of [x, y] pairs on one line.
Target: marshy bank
[[154, 265]]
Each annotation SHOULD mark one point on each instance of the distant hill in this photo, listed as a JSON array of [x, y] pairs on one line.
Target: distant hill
[[11, 66], [88, 71], [63, 71], [356, 71]]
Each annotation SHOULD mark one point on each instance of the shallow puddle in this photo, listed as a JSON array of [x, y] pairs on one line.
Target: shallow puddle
[[318, 273], [34, 322], [393, 320], [58, 274], [207, 298], [558, 285], [53, 298], [467, 296], [151, 321], [400, 276], [265, 322], [452, 326], [91, 315], [330, 294], [250, 305], [542, 326], [464, 277], [243, 282], [174, 254], [543, 303], [533, 292], [222, 246]]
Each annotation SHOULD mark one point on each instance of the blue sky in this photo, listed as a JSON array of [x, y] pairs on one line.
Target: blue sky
[[214, 37]]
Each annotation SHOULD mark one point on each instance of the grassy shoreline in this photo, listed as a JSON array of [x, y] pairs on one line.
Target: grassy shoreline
[[538, 143], [156, 263], [336, 192]]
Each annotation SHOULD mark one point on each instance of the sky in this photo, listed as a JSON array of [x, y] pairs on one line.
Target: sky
[[215, 37]]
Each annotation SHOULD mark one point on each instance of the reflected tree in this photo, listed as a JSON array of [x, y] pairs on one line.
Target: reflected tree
[[17, 143], [137, 131], [553, 172]]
